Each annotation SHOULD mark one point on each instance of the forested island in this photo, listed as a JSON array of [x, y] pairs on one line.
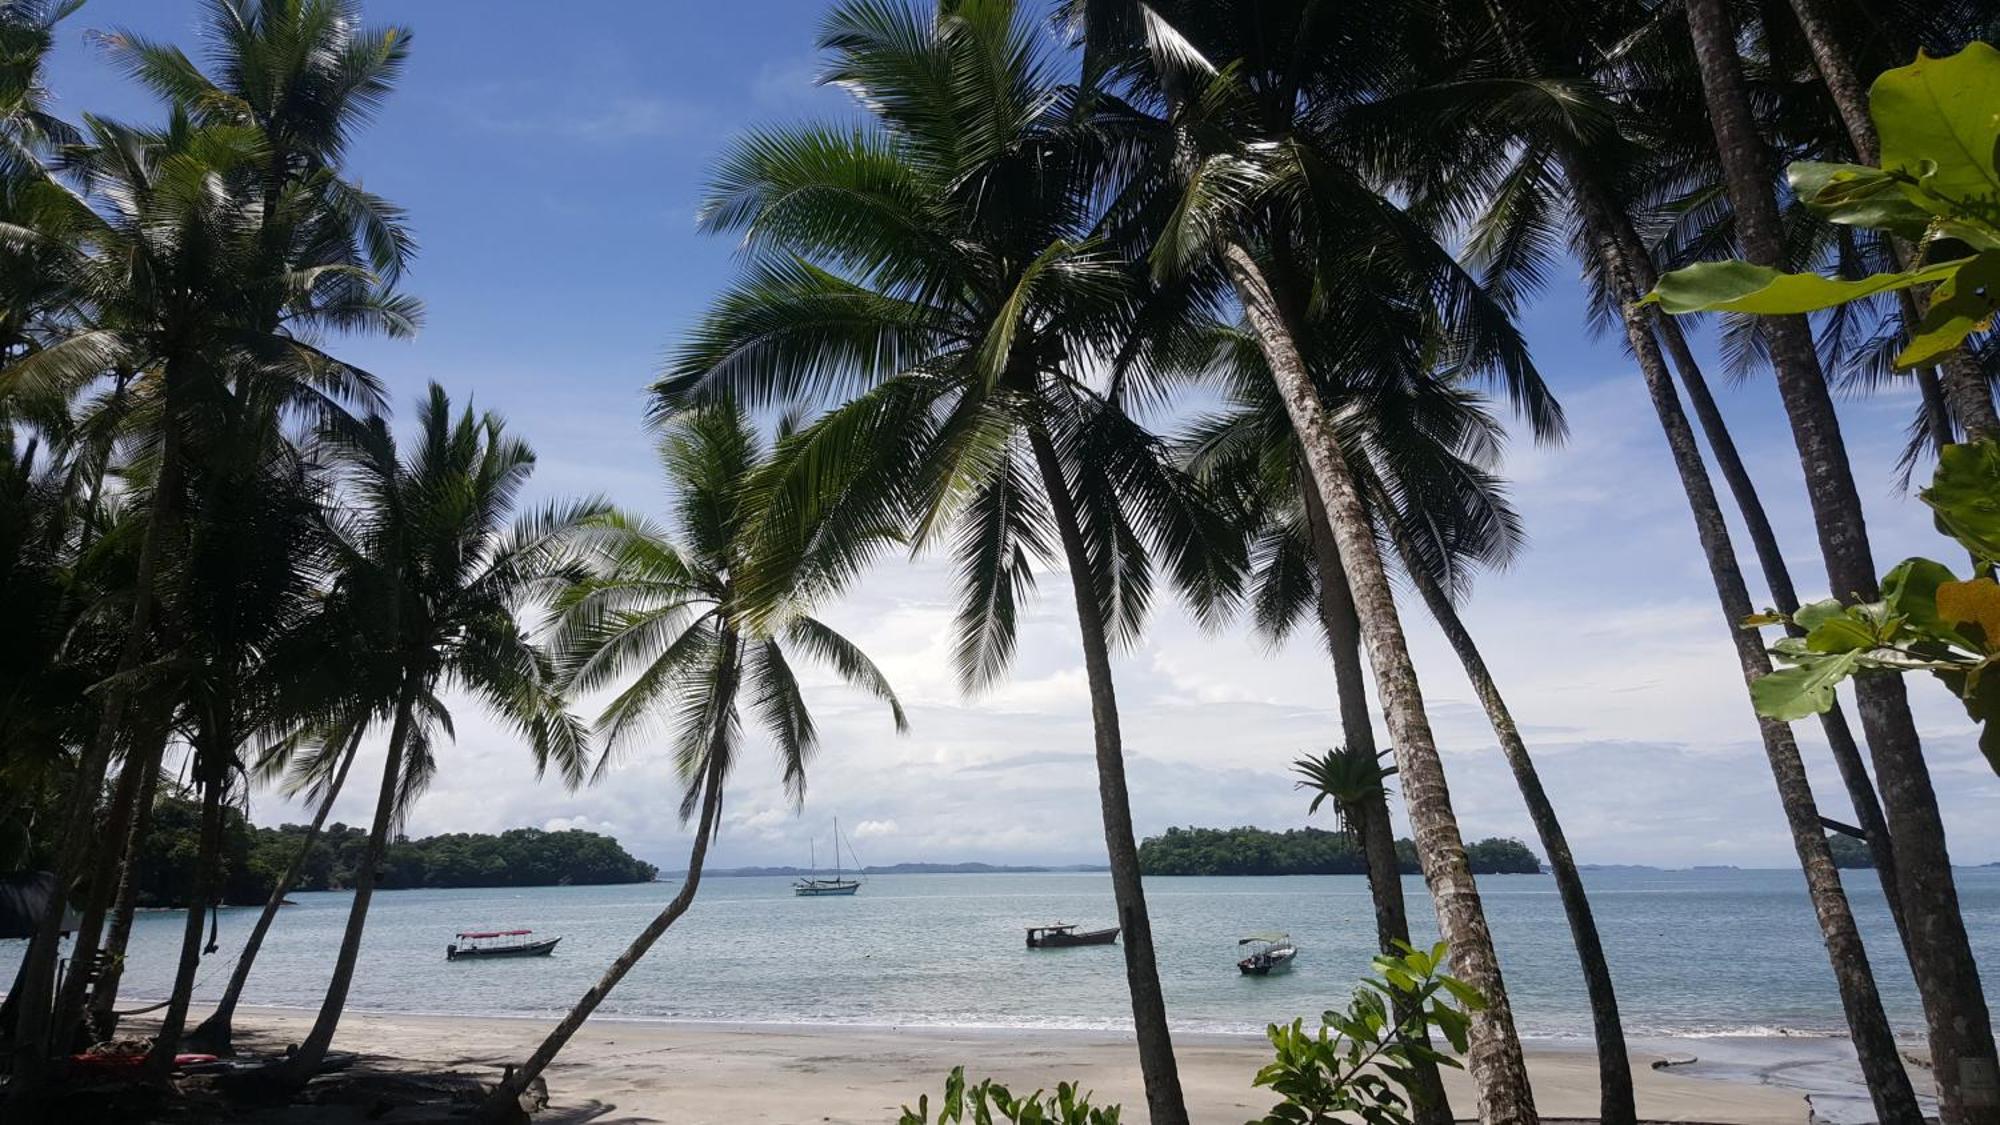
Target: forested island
[[253, 858], [1304, 851]]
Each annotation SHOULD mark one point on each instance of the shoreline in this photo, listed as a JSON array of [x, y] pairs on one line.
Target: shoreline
[[696, 1072]]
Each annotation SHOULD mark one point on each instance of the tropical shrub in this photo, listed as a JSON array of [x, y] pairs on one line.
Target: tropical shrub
[[989, 1101], [1938, 189], [1361, 1062], [1928, 619]]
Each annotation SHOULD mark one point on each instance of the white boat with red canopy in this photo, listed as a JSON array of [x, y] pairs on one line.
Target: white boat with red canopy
[[499, 943]]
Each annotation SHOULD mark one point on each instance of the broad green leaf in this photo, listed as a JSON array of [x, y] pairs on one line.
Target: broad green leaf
[[1962, 304], [1791, 694], [1856, 195], [1845, 633], [1939, 120], [1965, 495], [1743, 288], [1814, 614]]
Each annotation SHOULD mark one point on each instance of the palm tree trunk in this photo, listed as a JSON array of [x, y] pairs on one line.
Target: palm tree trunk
[[1505, 1097], [215, 1034], [1960, 1028], [504, 1104], [1778, 579], [1370, 816], [1874, 1044], [1165, 1104], [31, 1038], [104, 994], [105, 882], [166, 1042], [305, 1063], [1616, 1105]]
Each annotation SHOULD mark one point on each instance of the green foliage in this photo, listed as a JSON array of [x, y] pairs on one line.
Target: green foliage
[[1304, 851], [1938, 188], [252, 859], [1362, 1062], [989, 1101], [1927, 619], [1848, 852]]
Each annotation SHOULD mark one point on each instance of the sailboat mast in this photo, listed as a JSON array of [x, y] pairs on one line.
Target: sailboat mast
[[836, 847]]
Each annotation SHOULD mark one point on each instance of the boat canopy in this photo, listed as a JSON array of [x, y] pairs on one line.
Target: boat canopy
[[1268, 939], [498, 933]]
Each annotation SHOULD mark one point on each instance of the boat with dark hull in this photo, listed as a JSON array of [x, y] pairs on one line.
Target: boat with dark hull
[[1271, 953], [499, 943], [1062, 935]]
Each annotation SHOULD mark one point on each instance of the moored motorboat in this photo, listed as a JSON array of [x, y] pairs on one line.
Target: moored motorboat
[[1062, 935], [1271, 953], [499, 943]]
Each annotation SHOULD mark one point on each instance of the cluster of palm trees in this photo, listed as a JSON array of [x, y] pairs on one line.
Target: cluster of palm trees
[[1305, 230]]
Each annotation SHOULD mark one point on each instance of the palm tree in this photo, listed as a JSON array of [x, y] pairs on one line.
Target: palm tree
[[215, 1034], [946, 264], [669, 611], [1258, 194], [433, 576], [1547, 106], [1956, 1017], [177, 268]]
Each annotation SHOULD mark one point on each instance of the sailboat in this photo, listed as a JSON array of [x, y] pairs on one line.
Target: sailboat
[[813, 886]]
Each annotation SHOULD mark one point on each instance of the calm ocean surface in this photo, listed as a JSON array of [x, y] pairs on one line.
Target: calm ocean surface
[[1694, 952]]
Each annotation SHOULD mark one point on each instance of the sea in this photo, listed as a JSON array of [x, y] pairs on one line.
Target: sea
[[1695, 954]]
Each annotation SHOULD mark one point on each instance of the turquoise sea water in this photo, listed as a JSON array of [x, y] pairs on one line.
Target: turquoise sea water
[[1695, 953]]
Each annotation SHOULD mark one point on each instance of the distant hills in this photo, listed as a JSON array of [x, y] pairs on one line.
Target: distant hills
[[915, 869]]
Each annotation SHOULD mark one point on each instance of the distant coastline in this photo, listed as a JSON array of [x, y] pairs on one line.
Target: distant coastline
[[905, 869]]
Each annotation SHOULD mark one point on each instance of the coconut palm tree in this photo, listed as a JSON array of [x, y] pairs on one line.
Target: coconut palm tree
[[946, 265], [433, 568], [1956, 1017], [1542, 77], [1260, 194], [176, 263], [668, 612]]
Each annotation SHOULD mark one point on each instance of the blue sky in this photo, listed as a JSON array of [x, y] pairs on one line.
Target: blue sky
[[551, 165]]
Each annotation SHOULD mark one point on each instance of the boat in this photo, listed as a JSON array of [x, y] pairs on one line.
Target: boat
[[499, 943], [815, 886], [1271, 953], [1062, 935]]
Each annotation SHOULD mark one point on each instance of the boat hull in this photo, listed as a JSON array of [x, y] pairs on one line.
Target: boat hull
[[531, 949], [1265, 964], [824, 890], [1065, 941]]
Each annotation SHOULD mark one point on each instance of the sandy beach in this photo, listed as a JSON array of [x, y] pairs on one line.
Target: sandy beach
[[694, 1074]]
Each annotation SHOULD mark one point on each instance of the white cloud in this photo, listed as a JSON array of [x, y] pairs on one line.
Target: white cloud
[[869, 829]]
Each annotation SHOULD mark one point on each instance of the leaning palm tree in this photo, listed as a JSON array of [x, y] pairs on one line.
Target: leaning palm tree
[[180, 264], [1248, 101], [1959, 1025], [670, 612], [946, 266], [434, 568]]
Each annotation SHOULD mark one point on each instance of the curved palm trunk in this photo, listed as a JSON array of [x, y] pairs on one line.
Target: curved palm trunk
[[1874, 1044], [1778, 579], [1614, 1067], [166, 1042], [135, 781], [1960, 1028], [1369, 817], [1505, 1097], [215, 1034], [305, 1063], [104, 994], [31, 1038], [504, 1103], [1165, 1104]]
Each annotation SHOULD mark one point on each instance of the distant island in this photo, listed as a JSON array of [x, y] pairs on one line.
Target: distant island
[[913, 869], [254, 858], [1304, 851]]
